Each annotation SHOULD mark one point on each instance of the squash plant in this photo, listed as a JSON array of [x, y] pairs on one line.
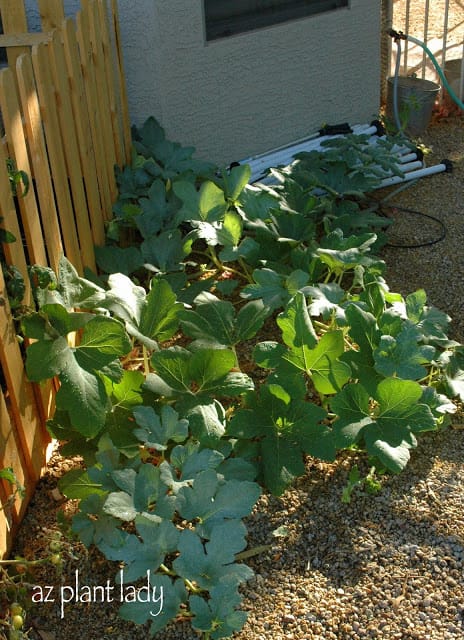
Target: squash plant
[[179, 434]]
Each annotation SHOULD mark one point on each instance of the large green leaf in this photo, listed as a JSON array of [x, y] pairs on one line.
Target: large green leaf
[[235, 181], [226, 232], [144, 493], [207, 564], [155, 431], [155, 211], [103, 340], [387, 422], [165, 251], [169, 159], [218, 615], [144, 552], [402, 355], [148, 317], [204, 371], [286, 428], [72, 291], [274, 288], [453, 365], [341, 254], [114, 259], [166, 597], [215, 320], [432, 323], [297, 330], [77, 484], [322, 361], [210, 501], [82, 392], [93, 525], [325, 300], [206, 419], [208, 204]]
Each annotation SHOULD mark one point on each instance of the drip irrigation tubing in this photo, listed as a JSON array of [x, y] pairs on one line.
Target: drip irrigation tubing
[[419, 245]]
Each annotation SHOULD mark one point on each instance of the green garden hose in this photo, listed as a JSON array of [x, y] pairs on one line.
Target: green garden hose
[[398, 36]]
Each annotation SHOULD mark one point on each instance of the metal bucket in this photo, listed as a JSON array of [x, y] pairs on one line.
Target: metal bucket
[[452, 71], [416, 98]]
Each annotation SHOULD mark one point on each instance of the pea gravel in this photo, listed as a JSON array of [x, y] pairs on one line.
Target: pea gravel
[[388, 566]]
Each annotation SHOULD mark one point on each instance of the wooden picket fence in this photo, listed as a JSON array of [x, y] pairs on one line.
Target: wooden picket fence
[[64, 111]]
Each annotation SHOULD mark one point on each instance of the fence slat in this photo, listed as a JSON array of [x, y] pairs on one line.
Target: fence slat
[[13, 21], [38, 153], [11, 456], [17, 145], [71, 148], [102, 95], [81, 119], [122, 83], [95, 119], [13, 251], [41, 66], [108, 69], [51, 13], [23, 403]]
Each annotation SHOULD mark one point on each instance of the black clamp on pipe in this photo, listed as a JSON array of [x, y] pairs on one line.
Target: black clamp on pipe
[[335, 129], [380, 129], [419, 153], [449, 166], [397, 35]]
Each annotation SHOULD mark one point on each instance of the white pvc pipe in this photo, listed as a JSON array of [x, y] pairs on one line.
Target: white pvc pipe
[[411, 166], [284, 155], [408, 157], [414, 175], [407, 161]]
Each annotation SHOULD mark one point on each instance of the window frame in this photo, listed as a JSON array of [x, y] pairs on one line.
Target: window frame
[[240, 17]]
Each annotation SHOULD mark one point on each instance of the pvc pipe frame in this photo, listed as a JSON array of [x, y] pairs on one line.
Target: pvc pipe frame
[[412, 168], [283, 156], [407, 161]]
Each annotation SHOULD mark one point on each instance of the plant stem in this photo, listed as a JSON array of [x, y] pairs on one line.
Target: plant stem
[[192, 587], [29, 563], [146, 365], [249, 553], [320, 325], [246, 271], [166, 570], [211, 253]]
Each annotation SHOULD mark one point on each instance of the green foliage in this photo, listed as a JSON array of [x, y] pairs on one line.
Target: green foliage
[[159, 396]]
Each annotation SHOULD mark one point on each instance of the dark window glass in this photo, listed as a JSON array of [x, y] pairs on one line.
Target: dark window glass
[[229, 17]]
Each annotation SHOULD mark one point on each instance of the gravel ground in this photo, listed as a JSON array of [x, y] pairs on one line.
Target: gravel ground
[[437, 268], [388, 566]]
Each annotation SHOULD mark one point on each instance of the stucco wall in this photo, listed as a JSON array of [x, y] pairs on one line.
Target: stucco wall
[[238, 96], [251, 92]]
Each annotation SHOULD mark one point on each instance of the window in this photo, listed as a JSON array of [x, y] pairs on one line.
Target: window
[[228, 17]]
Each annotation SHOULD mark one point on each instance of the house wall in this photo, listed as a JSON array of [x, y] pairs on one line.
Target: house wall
[[242, 95]]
